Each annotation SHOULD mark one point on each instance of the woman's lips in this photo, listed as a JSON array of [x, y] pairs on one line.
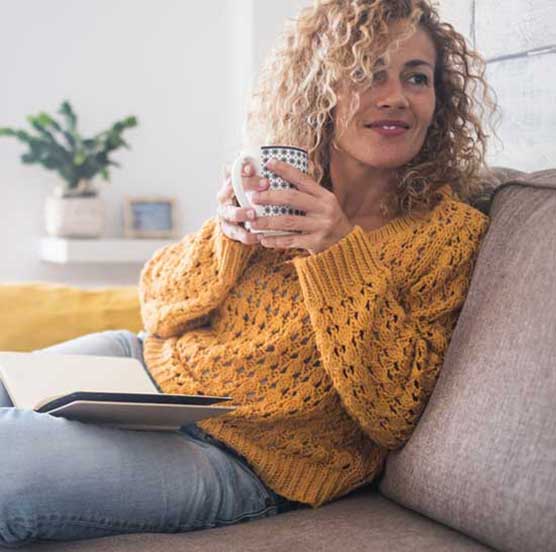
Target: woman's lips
[[389, 131]]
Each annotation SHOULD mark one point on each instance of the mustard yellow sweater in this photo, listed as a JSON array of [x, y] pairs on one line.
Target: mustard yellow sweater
[[331, 358]]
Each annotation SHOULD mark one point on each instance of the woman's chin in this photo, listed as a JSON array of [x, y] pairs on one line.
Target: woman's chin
[[387, 163]]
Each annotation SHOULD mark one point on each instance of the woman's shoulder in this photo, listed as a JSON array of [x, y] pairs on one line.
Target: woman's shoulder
[[452, 231], [450, 223], [454, 213], [468, 213]]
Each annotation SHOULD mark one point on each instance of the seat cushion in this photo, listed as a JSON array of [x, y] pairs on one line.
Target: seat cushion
[[37, 314], [483, 456], [360, 522]]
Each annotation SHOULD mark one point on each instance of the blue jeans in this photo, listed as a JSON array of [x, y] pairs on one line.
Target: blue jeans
[[64, 480]]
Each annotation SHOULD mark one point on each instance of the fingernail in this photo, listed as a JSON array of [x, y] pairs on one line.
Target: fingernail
[[247, 170], [262, 183], [271, 163], [251, 214]]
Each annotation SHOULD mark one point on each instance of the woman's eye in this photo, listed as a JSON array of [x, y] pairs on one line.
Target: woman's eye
[[424, 80], [358, 74]]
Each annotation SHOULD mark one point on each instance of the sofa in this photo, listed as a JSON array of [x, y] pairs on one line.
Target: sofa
[[479, 471]]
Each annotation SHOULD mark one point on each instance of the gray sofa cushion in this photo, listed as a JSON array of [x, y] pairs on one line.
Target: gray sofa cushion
[[361, 522], [483, 457]]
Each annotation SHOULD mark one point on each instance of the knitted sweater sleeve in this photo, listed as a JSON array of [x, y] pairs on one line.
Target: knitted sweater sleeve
[[383, 344], [182, 284]]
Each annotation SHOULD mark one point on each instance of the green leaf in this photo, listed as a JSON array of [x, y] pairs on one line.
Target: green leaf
[[71, 119], [79, 158], [65, 151], [28, 158], [7, 132]]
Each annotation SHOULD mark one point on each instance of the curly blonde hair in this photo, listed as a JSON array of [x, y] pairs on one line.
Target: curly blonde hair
[[335, 42]]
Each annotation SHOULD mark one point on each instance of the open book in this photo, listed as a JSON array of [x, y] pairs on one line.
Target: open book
[[116, 391]]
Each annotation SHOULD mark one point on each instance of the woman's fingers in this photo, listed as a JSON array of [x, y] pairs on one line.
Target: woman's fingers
[[249, 178], [226, 192], [238, 233], [251, 182], [231, 215]]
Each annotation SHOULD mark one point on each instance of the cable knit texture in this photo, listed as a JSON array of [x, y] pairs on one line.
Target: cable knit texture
[[331, 358]]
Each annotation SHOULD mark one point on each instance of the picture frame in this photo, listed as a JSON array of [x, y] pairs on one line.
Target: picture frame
[[149, 217]]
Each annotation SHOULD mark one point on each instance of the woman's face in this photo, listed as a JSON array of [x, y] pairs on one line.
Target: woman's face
[[403, 91]]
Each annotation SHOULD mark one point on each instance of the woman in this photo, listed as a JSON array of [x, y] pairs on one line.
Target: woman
[[329, 341]]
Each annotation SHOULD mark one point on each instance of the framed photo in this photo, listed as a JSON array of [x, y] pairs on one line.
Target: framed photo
[[149, 217]]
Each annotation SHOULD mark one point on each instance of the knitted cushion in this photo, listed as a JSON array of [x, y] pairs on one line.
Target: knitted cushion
[[35, 315], [483, 457]]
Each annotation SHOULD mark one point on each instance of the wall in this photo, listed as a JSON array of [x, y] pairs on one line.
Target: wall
[[111, 58], [255, 25], [518, 40], [184, 68]]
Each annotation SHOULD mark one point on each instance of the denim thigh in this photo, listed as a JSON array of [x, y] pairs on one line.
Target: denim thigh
[[64, 480], [117, 343]]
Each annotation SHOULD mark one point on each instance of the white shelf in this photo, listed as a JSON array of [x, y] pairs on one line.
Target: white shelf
[[65, 250]]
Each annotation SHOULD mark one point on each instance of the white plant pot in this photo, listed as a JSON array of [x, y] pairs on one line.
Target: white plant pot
[[74, 217]]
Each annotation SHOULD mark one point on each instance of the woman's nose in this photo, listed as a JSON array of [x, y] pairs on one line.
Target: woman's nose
[[391, 94]]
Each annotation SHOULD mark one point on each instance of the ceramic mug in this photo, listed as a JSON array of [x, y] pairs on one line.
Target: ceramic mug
[[259, 156]]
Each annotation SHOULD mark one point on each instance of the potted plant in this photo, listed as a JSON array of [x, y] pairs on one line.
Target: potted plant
[[75, 208]]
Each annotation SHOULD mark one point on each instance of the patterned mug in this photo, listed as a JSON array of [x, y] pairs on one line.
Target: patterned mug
[[259, 156]]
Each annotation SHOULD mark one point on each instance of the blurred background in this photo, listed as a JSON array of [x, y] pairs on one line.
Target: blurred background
[[185, 69]]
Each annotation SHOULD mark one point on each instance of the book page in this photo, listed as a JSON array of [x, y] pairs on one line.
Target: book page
[[31, 378]]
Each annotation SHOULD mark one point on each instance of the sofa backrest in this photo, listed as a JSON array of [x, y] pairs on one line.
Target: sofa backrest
[[483, 456]]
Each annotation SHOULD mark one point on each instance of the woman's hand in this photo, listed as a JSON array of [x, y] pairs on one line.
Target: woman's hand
[[324, 223], [232, 216]]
